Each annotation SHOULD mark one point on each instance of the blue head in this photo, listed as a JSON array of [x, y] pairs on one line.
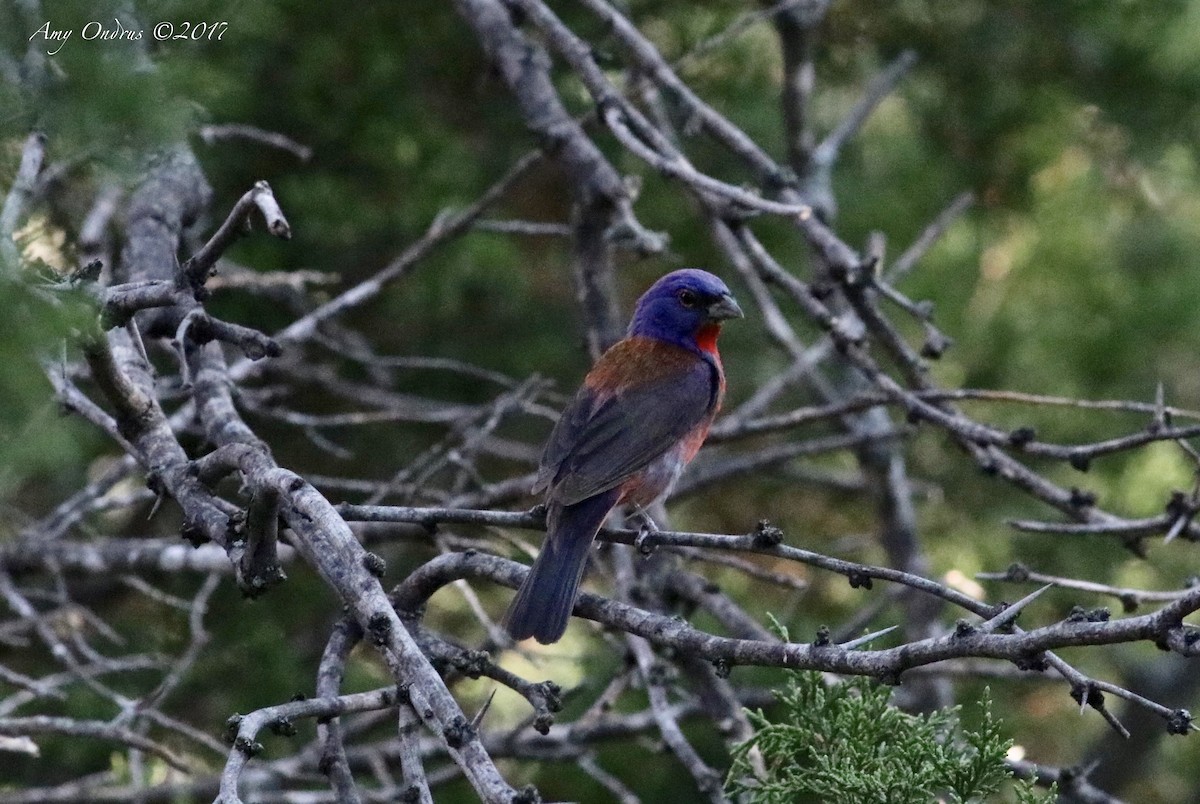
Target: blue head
[[679, 306]]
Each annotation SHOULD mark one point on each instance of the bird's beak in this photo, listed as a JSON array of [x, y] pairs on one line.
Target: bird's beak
[[725, 307]]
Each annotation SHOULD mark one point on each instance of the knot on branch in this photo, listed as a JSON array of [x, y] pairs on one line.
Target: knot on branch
[[1079, 461], [257, 583], [459, 732], [1016, 572], [284, 727], [1081, 615], [1179, 722], [550, 693], [379, 628], [471, 663], [1032, 662], [1180, 505], [1181, 639], [250, 748], [936, 343], [374, 564], [87, 273], [257, 348], [1087, 694], [964, 629], [232, 724], [766, 535], [192, 534], [154, 482], [1081, 498], [822, 640], [859, 579], [722, 668], [1022, 436], [546, 699], [527, 795]]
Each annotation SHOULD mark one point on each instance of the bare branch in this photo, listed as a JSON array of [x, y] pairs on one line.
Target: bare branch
[[19, 195], [216, 133], [194, 271]]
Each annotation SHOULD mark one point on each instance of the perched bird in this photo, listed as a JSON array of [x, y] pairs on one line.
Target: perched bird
[[640, 417]]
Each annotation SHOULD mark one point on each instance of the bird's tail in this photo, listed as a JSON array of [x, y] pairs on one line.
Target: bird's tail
[[543, 603]]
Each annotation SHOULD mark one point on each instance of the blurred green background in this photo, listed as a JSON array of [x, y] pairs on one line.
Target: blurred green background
[[1074, 123]]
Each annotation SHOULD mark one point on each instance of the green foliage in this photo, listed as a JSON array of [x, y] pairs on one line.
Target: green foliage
[[845, 743], [35, 442]]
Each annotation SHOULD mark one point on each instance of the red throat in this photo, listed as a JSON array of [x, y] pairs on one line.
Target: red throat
[[706, 338]]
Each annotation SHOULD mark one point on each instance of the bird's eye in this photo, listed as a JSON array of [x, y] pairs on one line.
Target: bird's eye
[[688, 298]]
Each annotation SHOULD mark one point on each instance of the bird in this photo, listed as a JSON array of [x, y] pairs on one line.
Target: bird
[[639, 417]]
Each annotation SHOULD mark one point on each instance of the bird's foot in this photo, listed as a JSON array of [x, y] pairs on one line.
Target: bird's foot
[[648, 522], [645, 541]]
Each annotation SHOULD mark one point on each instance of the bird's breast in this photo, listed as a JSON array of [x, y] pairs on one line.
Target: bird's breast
[[660, 475]]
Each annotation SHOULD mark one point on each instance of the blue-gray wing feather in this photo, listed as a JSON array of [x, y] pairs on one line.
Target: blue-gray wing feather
[[600, 441]]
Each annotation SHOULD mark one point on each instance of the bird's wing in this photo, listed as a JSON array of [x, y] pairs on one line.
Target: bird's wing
[[638, 402]]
